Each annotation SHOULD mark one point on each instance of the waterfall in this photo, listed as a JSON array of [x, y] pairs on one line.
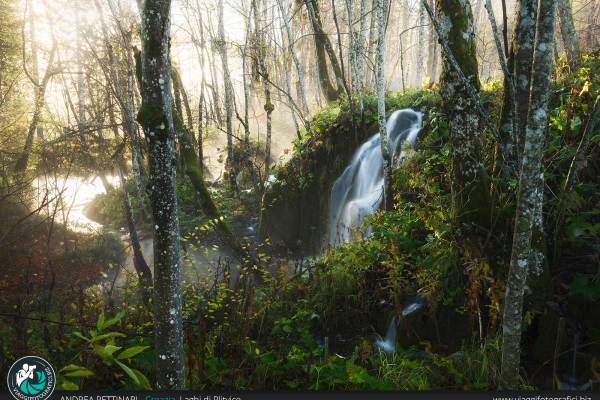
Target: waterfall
[[388, 344], [358, 191]]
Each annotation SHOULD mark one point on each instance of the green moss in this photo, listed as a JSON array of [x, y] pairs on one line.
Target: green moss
[[151, 117], [465, 52]]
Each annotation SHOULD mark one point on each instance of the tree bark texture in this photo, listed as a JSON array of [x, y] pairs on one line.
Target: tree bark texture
[[530, 197]]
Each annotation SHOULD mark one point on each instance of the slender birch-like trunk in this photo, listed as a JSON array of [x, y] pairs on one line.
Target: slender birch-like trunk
[[262, 66], [39, 89], [353, 55], [125, 100], [530, 197], [510, 124], [421, 45], [432, 56], [246, 86], [156, 118], [81, 89], [231, 162], [385, 149], [360, 50], [297, 65], [371, 49], [139, 262]]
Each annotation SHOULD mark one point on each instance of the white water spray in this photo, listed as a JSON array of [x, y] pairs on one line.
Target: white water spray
[[358, 191]]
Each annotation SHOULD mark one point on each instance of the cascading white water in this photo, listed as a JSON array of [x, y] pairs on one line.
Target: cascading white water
[[358, 191], [388, 344]]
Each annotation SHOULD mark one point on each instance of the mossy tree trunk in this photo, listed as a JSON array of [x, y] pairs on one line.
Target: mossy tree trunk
[[469, 185], [530, 197], [324, 51], [155, 116]]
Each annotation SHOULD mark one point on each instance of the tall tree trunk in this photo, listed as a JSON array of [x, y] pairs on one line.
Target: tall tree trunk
[[128, 116], [371, 49], [299, 73], [202, 99], [568, 33], [469, 186], [324, 51], [81, 89], [591, 39], [383, 137], [353, 55], [156, 118], [405, 43], [421, 45], [262, 66], [126, 99], [360, 50], [139, 263], [509, 125], [38, 105], [432, 56], [39, 89], [230, 165], [522, 60], [530, 197], [245, 85]]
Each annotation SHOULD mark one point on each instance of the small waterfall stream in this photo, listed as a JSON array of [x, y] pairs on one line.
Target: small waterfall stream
[[388, 344], [357, 192]]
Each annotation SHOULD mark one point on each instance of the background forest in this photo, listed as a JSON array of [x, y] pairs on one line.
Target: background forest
[[301, 194]]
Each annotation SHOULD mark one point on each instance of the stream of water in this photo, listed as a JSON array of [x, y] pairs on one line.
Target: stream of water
[[70, 195], [358, 191]]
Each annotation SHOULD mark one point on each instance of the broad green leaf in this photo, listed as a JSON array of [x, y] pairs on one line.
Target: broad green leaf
[[106, 352], [131, 352], [108, 335], [71, 367], [80, 336], [129, 372], [115, 320], [101, 321], [111, 349], [81, 373], [144, 382], [68, 385]]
